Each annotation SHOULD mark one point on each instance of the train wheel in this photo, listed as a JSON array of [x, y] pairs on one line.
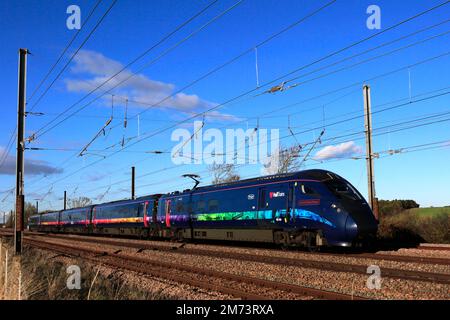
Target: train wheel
[[281, 237]]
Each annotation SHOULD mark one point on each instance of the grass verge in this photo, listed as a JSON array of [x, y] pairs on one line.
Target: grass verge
[[416, 226], [44, 276]]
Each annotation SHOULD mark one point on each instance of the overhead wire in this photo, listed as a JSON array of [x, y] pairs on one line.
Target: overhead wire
[[93, 163], [242, 54], [43, 129], [179, 27], [73, 55], [85, 21], [359, 42]]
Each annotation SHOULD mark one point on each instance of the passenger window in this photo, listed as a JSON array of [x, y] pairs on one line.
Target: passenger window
[[201, 206], [179, 207], [213, 205]]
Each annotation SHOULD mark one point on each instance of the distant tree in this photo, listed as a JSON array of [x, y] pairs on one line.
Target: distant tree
[[223, 173], [4, 218], [78, 202], [392, 207], [30, 209], [284, 161], [9, 221]]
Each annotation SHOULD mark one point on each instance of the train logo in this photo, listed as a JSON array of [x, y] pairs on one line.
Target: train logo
[[277, 194]]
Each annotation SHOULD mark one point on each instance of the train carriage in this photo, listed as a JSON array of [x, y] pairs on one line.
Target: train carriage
[[308, 208], [125, 217], [77, 220], [49, 222], [33, 222]]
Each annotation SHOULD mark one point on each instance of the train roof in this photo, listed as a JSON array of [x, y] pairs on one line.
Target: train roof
[[154, 196], [313, 174], [45, 213], [149, 197], [77, 208]]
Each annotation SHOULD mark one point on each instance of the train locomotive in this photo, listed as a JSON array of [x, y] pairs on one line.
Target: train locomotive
[[311, 208]]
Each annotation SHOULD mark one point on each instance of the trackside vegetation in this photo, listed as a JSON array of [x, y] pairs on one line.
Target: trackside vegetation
[[404, 221]]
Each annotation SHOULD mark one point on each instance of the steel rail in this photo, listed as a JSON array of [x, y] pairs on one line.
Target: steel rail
[[130, 262], [297, 262]]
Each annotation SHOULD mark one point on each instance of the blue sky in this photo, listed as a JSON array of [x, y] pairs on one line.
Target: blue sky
[[134, 26]]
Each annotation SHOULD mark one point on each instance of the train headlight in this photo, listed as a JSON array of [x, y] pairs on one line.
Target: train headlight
[[336, 207]]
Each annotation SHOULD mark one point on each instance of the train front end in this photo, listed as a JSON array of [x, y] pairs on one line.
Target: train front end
[[358, 226]]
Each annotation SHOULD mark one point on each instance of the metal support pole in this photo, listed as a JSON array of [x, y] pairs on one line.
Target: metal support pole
[[65, 200], [37, 207], [132, 182], [18, 226], [369, 152]]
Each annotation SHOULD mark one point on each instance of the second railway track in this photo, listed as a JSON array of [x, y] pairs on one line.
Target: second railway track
[[243, 287], [433, 277], [276, 260]]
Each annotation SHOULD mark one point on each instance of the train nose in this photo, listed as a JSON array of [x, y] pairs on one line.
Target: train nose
[[351, 228]]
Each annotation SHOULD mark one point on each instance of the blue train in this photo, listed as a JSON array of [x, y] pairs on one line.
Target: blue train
[[311, 208]]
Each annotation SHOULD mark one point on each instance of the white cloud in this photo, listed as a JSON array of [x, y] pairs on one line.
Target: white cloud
[[92, 68], [95, 176], [346, 149], [219, 116], [32, 166]]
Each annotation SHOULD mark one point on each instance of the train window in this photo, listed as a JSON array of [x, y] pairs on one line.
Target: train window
[[73, 216], [213, 205], [50, 217], [201, 206], [111, 212], [179, 207], [307, 190], [342, 189]]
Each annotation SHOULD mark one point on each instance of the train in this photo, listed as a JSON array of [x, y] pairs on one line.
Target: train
[[311, 208]]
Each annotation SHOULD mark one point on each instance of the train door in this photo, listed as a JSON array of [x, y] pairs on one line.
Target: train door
[[290, 203], [89, 219], [167, 212], [155, 212], [263, 205], [190, 212], [146, 208]]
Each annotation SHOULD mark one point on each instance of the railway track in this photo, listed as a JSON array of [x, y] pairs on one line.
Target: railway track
[[399, 258], [431, 247], [373, 256], [243, 287], [276, 260]]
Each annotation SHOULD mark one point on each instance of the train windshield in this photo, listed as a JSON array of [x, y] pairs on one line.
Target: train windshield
[[342, 189]]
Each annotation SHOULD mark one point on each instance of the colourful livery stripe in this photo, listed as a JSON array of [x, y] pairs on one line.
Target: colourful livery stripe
[[50, 223], [119, 220]]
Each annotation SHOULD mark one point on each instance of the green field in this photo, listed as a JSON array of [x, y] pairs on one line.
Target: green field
[[430, 212], [417, 225]]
